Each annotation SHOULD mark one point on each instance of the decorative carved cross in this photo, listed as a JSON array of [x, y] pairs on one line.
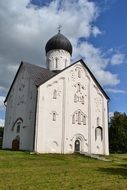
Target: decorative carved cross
[[59, 28]]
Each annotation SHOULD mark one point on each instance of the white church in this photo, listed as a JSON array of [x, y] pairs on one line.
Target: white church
[[61, 109]]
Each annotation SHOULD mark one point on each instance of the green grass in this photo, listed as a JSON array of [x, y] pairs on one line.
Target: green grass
[[23, 171]]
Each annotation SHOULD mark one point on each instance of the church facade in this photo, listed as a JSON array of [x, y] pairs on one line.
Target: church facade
[[61, 109]]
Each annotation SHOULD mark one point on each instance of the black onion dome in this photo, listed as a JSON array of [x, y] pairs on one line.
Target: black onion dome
[[59, 41]]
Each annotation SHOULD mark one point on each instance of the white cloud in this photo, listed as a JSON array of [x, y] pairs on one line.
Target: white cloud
[[117, 59], [2, 107], [97, 62], [24, 32], [92, 55], [96, 31], [107, 78], [116, 91], [1, 122]]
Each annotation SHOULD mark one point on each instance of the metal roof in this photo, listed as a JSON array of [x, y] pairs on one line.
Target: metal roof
[[59, 41], [38, 74]]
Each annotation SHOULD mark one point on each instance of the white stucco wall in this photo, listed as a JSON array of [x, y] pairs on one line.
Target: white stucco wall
[[58, 59], [76, 93], [70, 107], [21, 103]]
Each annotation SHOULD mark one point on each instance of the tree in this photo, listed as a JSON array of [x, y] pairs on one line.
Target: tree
[[1, 131], [118, 133], [1, 136]]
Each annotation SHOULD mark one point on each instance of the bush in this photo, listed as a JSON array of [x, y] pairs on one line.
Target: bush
[[118, 133]]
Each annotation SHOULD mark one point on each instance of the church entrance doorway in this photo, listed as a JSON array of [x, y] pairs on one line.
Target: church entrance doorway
[[15, 144], [77, 146]]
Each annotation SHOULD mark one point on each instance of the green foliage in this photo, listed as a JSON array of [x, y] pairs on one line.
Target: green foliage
[[24, 171], [1, 131], [118, 133], [1, 136]]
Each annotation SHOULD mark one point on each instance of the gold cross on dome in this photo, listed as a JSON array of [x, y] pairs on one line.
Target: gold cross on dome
[[59, 28]]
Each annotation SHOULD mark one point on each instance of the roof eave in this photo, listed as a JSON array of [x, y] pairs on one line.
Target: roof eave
[[13, 82]]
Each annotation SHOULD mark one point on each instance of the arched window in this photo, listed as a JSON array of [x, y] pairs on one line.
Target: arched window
[[73, 119], [98, 134], [54, 116], [76, 116], [17, 125], [65, 62], [79, 73], [18, 128], [54, 94], [49, 63], [79, 117], [75, 98], [56, 60]]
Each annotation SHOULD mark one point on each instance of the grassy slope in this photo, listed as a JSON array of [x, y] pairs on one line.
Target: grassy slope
[[22, 171]]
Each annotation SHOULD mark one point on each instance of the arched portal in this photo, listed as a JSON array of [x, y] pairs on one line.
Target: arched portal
[[15, 144], [77, 145]]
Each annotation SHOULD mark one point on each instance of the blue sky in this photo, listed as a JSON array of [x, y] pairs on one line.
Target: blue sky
[[113, 22], [96, 28]]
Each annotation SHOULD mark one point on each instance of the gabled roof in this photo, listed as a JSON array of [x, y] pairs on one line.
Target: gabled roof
[[38, 74]]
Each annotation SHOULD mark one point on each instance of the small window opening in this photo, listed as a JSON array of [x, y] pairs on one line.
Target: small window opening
[[79, 86], [84, 119], [54, 94], [54, 116], [65, 62], [79, 74], [98, 133], [18, 128], [79, 117], [73, 119], [56, 59]]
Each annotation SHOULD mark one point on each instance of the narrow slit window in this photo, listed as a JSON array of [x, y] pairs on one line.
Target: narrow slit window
[[79, 117], [54, 116], [65, 62], [56, 62], [18, 128], [84, 119], [75, 98], [79, 74], [73, 119], [79, 87], [54, 94]]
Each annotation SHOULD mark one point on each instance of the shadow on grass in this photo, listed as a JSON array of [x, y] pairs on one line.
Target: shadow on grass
[[125, 159], [120, 170]]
